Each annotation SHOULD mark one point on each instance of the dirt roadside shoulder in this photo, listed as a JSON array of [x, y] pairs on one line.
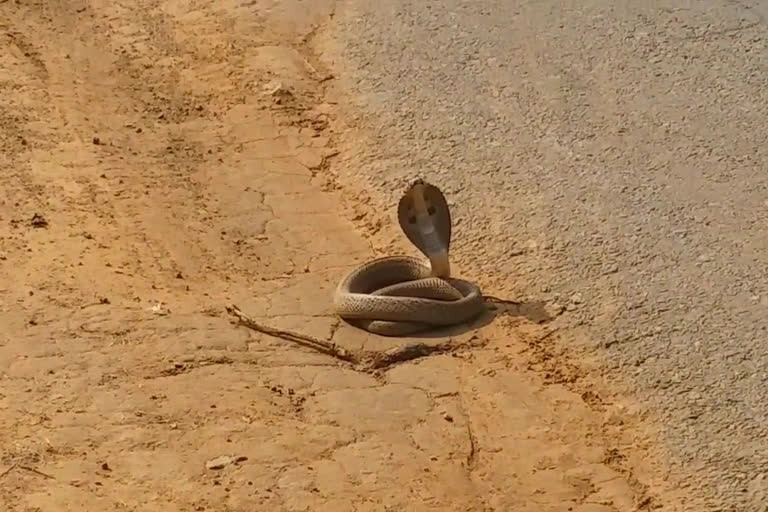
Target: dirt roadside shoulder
[[168, 159]]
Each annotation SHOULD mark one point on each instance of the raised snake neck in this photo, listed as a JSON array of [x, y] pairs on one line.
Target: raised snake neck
[[400, 295]]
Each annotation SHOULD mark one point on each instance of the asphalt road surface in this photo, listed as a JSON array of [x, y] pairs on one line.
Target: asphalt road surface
[[610, 156]]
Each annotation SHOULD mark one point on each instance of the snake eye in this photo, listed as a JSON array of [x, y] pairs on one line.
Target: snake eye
[[412, 220], [431, 210]]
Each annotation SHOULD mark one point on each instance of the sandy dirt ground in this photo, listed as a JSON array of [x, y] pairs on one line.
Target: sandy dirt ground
[[164, 159]]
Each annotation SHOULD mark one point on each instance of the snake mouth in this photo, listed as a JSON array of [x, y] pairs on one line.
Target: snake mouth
[[425, 218]]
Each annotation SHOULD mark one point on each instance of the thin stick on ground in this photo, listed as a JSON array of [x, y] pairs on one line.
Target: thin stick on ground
[[326, 347], [8, 469], [364, 361], [37, 472]]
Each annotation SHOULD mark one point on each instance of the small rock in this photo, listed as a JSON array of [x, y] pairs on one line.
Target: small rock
[[158, 309], [38, 221], [96, 141], [278, 90], [223, 461], [555, 309]]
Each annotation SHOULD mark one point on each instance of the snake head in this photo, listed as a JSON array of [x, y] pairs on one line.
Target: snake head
[[425, 217]]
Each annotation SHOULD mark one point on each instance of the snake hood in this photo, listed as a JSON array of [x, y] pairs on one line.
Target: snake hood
[[425, 218]]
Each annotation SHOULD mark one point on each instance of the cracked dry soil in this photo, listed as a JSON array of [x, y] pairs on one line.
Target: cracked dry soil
[[164, 159]]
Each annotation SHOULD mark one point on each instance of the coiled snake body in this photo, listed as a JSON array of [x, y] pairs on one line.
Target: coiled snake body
[[400, 295]]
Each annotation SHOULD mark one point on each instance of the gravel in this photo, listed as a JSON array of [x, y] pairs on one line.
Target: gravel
[[614, 150]]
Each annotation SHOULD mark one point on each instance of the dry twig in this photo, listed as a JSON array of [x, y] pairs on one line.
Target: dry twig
[[8, 470], [364, 361], [25, 468], [35, 471], [326, 347]]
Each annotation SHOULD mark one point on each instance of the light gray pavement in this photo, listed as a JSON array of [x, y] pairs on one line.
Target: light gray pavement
[[609, 156]]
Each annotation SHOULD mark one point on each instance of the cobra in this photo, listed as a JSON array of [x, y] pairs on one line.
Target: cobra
[[401, 295]]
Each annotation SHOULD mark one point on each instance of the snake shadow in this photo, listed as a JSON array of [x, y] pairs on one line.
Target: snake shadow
[[533, 311]]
